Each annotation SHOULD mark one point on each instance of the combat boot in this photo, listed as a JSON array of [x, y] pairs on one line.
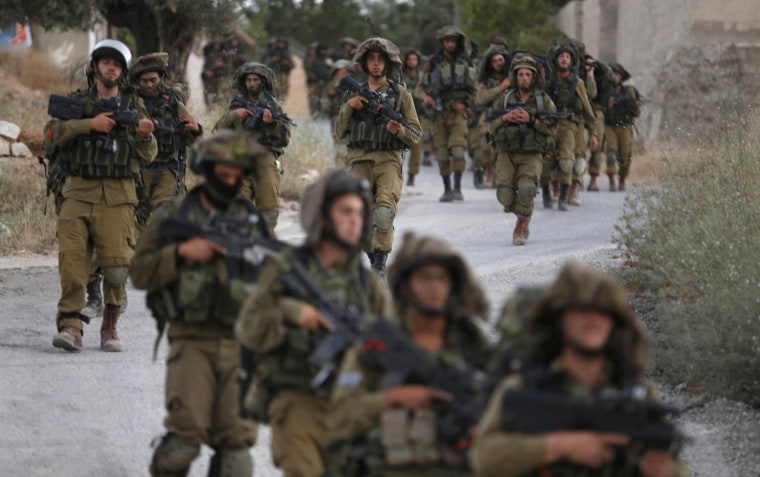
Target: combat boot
[[521, 232], [478, 178], [69, 338], [613, 187], [546, 194], [109, 339], [555, 191], [458, 186], [410, 180], [94, 306], [574, 197], [448, 194], [592, 185], [563, 193], [378, 263], [621, 184]]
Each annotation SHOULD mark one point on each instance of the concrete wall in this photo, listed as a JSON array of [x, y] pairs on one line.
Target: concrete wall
[[68, 49]]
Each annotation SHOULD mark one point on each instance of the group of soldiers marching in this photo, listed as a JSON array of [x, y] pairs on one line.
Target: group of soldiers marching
[[357, 372]]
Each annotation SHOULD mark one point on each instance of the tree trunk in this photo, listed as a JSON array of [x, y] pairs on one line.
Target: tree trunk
[[177, 37]]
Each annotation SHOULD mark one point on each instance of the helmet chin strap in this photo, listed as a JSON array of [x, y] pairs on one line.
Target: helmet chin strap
[[106, 82]]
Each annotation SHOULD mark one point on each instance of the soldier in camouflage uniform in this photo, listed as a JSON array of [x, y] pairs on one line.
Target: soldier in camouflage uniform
[[336, 97], [375, 145], [569, 94], [624, 105], [585, 340], [190, 288], [215, 72], [493, 79], [519, 138], [100, 160], [347, 48], [394, 431], [451, 69], [412, 72], [175, 130], [255, 83], [318, 68], [279, 60], [284, 330], [599, 84]]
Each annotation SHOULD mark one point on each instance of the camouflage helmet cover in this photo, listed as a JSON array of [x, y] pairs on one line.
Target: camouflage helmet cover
[[468, 298], [618, 68], [236, 148], [319, 195], [347, 40], [253, 67], [342, 64], [450, 31], [158, 62], [384, 46], [527, 61], [561, 47], [486, 70]]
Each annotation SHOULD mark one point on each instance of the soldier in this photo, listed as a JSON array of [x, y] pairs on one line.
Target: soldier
[[255, 83], [101, 161], [623, 107], [335, 99], [569, 94], [599, 83], [519, 138], [215, 72], [347, 48], [586, 341], [279, 60], [375, 144], [318, 69], [397, 431], [493, 79], [284, 330], [412, 73], [175, 129], [188, 277], [449, 87]]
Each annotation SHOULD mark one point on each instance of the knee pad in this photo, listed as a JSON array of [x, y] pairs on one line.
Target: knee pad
[[579, 167], [442, 153], [383, 219], [173, 455], [566, 165], [116, 276], [231, 463], [457, 152], [271, 216], [526, 190], [611, 158], [505, 196]]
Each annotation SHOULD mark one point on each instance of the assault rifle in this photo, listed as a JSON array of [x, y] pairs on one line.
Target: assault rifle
[[257, 109], [347, 321], [622, 412], [375, 103], [389, 348], [545, 116], [63, 107]]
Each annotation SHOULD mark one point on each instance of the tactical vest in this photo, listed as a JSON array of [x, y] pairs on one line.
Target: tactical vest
[[165, 109], [622, 113], [202, 292], [412, 81], [275, 144], [368, 131], [458, 79], [111, 155], [564, 93], [513, 137]]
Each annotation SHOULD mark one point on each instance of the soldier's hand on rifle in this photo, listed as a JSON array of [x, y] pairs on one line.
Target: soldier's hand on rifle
[[393, 127], [242, 113], [591, 449], [199, 250], [428, 100], [414, 397], [145, 127], [518, 115], [504, 85], [459, 107], [656, 464], [267, 117], [356, 102], [102, 123], [310, 319], [593, 142], [190, 122]]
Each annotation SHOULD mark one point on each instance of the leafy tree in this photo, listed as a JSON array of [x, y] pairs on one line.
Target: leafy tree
[[155, 25]]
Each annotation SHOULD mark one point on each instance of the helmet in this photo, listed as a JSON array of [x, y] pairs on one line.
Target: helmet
[[497, 39], [382, 45], [158, 62], [450, 31], [347, 40], [228, 146], [486, 70], [113, 49], [527, 61], [342, 65], [562, 47], [266, 74], [618, 68], [467, 299], [318, 197]]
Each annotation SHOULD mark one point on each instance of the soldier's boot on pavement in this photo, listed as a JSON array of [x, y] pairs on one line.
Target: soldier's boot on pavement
[[69, 339], [592, 185], [555, 191], [490, 176], [521, 232], [546, 195], [378, 263], [613, 186], [564, 190], [410, 180], [458, 186], [94, 306], [231, 463], [109, 339], [574, 198], [478, 178], [621, 184], [448, 193]]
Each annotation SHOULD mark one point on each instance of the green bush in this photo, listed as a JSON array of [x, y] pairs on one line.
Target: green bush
[[693, 244]]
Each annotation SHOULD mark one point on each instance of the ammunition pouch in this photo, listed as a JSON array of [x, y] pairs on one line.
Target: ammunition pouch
[[100, 156]]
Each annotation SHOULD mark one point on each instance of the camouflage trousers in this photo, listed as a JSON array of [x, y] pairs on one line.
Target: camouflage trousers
[[598, 160], [449, 131], [299, 433], [264, 190], [516, 171], [562, 163], [619, 143], [386, 182]]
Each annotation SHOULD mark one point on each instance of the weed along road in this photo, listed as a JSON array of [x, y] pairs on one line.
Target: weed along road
[[94, 414]]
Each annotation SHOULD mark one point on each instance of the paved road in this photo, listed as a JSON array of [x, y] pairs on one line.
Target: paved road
[[94, 414]]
